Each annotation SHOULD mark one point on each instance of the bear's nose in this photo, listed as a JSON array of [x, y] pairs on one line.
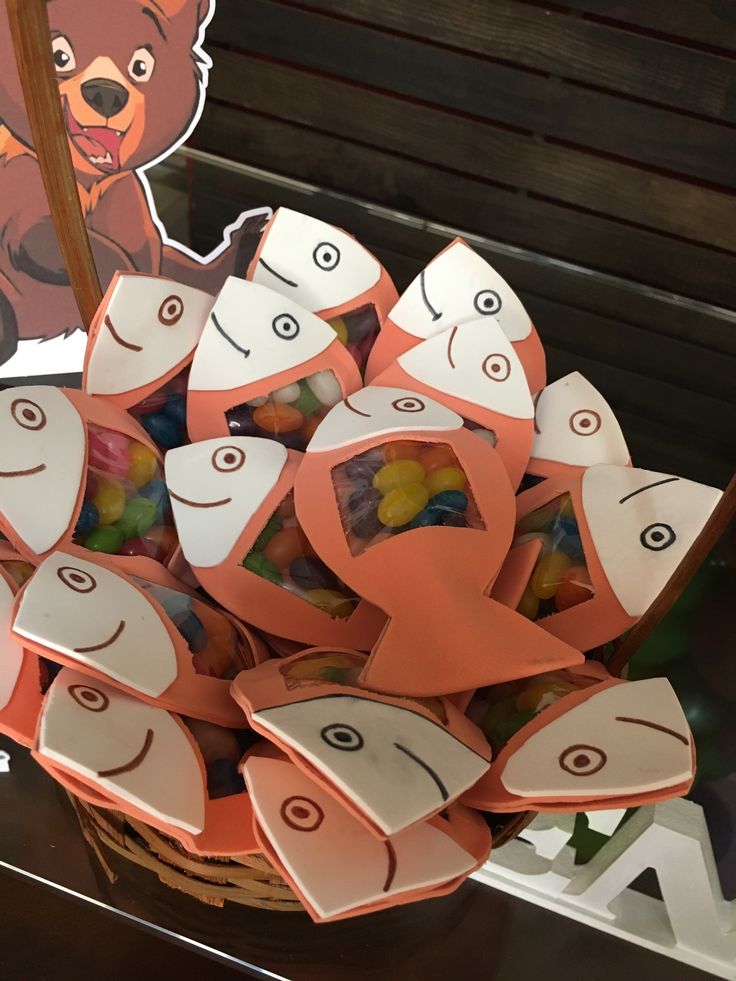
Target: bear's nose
[[105, 96]]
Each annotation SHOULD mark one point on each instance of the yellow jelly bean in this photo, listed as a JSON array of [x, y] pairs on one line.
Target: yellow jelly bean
[[142, 464], [567, 510], [398, 474], [401, 505], [548, 574], [109, 501], [528, 604], [340, 328], [444, 479], [330, 601], [538, 520]]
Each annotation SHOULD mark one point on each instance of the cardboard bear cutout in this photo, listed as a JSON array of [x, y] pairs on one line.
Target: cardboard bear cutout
[[132, 79], [328, 272], [456, 287], [413, 558]]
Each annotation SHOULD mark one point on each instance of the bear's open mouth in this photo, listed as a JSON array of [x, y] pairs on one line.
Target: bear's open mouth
[[100, 145]]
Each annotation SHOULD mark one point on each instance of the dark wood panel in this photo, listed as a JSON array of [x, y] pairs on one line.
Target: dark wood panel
[[218, 193], [480, 88], [561, 44], [711, 22], [493, 212], [483, 151]]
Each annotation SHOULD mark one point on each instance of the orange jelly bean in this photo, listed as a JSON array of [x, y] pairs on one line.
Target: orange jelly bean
[[574, 588], [285, 546], [401, 449], [438, 457], [278, 417]]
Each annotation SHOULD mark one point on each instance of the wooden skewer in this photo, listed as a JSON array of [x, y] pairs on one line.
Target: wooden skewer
[[29, 27], [714, 527]]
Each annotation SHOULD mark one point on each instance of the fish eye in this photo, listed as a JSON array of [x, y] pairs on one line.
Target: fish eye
[[326, 256], [585, 422], [76, 579], [582, 761], [657, 537], [302, 813], [141, 65], [27, 414], [285, 326], [497, 367], [91, 699], [171, 310], [409, 404], [63, 52], [487, 302], [228, 459], [340, 735]]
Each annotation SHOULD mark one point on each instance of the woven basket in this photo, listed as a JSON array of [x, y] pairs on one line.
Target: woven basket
[[249, 880]]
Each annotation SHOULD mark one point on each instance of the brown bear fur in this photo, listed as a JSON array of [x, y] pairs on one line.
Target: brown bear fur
[[104, 53]]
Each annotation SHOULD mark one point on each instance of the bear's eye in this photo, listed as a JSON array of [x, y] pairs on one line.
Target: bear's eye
[[141, 65], [63, 54]]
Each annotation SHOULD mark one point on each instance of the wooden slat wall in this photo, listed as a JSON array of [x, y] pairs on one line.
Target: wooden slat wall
[[601, 134]]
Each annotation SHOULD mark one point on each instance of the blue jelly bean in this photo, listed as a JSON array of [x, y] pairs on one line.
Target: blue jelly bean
[[176, 408], [568, 525], [450, 500], [240, 421], [573, 546], [158, 492], [428, 518], [163, 431], [89, 518], [192, 630]]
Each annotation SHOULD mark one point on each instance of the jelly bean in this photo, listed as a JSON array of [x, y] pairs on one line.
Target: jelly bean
[[89, 518], [534, 536], [330, 601], [575, 588], [151, 403], [277, 418], [109, 501], [310, 428], [257, 563], [176, 408], [548, 574], [445, 479], [487, 435], [573, 545], [273, 527], [163, 431], [326, 388], [398, 474], [569, 526], [528, 604], [356, 353], [135, 546], [288, 393], [138, 516], [257, 402], [284, 547], [240, 421], [307, 403], [450, 500], [158, 543], [567, 510], [309, 574], [105, 539], [364, 499], [539, 520], [452, 519], [215, 742], [340, 328], [402, 449], [400, 506], [362, 470], [19, 571], [158, 492], [428, 518], [437, 457], [192, 630], [142, 464], [366, 525], [108, 451], [542, 694], [224, 779], [92, 483]]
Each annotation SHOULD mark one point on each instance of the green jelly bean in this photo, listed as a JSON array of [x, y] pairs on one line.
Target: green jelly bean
[[107, 538], [307, 403], [273, 527], [139, 514], [258, 563]]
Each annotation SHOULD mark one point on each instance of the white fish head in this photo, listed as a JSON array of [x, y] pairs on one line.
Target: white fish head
[[316, 264], [642, 524], [252, 334], [378, 411], [457, 286], [42, 454], [148, 326], [216, 487]]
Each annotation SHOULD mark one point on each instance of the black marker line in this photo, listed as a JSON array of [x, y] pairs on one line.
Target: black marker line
[[657, 483], [428, 305], [427, 768], [228, 338], [273, 272]]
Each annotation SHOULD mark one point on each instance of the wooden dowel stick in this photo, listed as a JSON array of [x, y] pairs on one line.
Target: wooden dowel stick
[[29, 27], [714, 527]]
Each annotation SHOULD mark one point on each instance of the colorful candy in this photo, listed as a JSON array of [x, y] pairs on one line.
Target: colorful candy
[[142, 464], [326, 388], [284, 547], [331, 601], [256, 562], [106, 538], [88, 520], [574, 588], [277, 417], [163, 430], [107, 450], [548, 574], [398, 474], [400, 506], [109, 501], [139, 514], [340, 328], [445, 479]]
